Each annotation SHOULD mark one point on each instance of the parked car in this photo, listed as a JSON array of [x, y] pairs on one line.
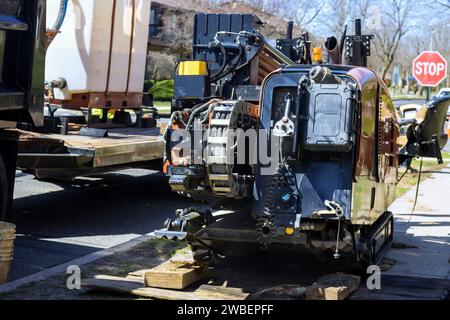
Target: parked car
[[409, 111], [444, 92]]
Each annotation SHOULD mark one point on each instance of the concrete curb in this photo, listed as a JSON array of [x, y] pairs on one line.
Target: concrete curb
[[62, 268]]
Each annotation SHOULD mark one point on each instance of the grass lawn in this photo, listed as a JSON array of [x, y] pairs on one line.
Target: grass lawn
[[163, 107], [161, 104], [445, 155], [399, 96], [410, 179]]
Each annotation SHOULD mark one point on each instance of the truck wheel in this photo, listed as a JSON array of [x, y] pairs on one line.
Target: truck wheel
[[3, 191]]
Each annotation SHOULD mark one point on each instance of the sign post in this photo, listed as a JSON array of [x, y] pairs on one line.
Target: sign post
[[429, 69]]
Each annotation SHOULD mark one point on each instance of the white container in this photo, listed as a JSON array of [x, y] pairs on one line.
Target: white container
[[102, 46]]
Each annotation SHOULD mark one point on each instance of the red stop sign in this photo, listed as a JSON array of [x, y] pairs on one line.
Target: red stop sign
[[429, 68]]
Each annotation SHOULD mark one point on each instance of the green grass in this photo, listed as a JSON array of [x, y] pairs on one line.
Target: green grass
[[161, 104], [410, 179], [445, 155], [399, 96], [163, 107]]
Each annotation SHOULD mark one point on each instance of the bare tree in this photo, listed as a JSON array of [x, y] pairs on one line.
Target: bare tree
[[397, 14], [159, 66], [336, 16], [302, 12], [443, 3], [178, 26], [307, 11], [339, 13]]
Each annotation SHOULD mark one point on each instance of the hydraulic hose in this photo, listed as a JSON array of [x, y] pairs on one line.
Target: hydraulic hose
[[61, 15], [51, 33], [217, 75]]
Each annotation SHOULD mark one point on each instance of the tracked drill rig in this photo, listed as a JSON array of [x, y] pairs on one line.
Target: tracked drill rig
[[291, 154]]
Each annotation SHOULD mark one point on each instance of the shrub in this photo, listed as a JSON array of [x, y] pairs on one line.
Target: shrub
[[162, 90]]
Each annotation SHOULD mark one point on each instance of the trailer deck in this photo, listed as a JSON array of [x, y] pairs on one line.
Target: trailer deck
[[71, 155]]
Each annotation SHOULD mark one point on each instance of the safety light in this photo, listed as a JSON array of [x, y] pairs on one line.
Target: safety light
[[289, 231], [317, 55]]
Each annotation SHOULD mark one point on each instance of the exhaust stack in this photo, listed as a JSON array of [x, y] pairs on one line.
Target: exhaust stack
[[333, 51]]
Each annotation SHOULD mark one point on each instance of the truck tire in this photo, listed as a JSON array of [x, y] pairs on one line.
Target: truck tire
[[4, 190]]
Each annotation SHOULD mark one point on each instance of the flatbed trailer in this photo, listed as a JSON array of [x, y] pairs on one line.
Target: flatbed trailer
[[57, 156]]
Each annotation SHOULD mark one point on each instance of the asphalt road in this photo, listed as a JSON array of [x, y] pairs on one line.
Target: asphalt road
[[57, 223]]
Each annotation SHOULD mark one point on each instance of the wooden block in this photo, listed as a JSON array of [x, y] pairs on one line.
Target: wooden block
[[172, 275], [333, 287]]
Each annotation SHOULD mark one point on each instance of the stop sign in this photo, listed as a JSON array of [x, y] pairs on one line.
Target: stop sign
[[429, 68]]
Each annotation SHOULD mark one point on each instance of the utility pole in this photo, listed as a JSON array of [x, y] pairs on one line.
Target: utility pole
[[428, 89]]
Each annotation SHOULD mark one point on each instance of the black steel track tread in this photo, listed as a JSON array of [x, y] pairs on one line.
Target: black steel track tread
[[380, 222]]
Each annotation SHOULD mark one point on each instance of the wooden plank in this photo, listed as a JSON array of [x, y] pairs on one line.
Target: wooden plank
[[336, 286], [135, 286], [174, 275], [7, 124], [116, 138], [221, 293]]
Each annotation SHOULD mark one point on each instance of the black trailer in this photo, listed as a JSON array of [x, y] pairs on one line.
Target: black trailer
[[22, 60]]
